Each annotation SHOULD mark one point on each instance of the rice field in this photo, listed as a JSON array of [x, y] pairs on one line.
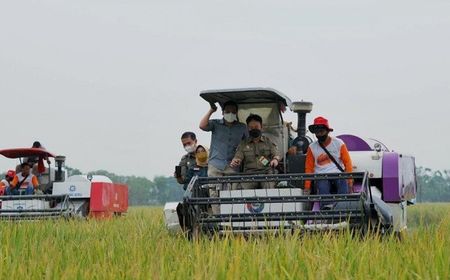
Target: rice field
[[139, 247]]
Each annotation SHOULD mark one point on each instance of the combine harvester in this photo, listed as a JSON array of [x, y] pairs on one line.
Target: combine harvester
[[384, 182], [62, 196]]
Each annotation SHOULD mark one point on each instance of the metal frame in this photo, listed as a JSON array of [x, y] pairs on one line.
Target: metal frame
[[198, 218], [33, 214]]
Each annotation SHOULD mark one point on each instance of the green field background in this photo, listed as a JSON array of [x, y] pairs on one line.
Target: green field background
[[138, 246]]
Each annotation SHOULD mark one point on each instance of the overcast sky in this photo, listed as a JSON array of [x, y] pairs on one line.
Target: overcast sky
[[112, 84]]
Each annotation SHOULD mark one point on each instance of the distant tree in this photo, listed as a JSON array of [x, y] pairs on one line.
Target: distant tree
[[433, 186], [167, 189], [73, 171]]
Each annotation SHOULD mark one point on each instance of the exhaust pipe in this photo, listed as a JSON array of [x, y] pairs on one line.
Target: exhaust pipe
[[296, 162], [301, 108]]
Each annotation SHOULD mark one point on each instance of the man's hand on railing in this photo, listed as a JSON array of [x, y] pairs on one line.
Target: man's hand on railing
[[235, 162], [274, 163]]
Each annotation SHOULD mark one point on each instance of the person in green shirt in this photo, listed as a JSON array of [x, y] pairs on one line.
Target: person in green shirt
[[189, 142], [257, 154]]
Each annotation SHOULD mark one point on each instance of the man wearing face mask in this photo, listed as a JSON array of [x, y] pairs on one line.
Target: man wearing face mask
[[189, 141], [327, 155], [226, 135], [257, 154]]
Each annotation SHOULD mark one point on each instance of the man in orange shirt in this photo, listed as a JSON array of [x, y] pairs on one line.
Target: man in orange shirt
[[327, 155], [23, 182]]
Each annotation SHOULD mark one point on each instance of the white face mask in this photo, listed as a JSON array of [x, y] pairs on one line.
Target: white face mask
[[230, 117], [190, 149]]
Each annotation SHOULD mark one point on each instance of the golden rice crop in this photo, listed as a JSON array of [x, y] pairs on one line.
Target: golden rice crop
[[139, 247]]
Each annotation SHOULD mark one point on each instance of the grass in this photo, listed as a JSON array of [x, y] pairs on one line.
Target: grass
[[139, 247]]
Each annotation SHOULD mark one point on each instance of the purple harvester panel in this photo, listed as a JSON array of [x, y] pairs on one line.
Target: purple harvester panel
[[354, 143], [391, 177]]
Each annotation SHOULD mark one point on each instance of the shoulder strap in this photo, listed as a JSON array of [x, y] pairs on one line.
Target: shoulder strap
[[21, 182], [331, 157]]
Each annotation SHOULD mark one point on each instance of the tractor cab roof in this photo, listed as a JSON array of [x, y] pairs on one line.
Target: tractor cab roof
[[26, 152], [268, 103], [245, 96]]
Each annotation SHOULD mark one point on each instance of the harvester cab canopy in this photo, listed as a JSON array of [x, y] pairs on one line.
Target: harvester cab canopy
[[245, 96], [265, 102], [26, 152], [37, 154]]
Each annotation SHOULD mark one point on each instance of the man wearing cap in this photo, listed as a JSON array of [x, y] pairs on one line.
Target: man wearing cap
[[24, 181], [319, 161], [9, 176]]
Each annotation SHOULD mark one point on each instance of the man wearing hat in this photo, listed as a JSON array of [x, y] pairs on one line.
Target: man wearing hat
[[327, 155], [9, 176], [24, 181]]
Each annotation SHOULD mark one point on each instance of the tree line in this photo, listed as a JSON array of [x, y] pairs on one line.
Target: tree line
[[433, 186]]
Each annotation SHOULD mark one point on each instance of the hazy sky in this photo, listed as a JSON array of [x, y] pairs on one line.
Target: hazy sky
[[112, 84]]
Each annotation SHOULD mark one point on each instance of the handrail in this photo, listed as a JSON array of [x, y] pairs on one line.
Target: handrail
[[273, 199], [344, 216], [30, 197], [280, 177], [31, 213]]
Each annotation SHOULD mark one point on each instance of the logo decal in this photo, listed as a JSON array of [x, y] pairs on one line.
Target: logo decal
[[323, 160], [255, 207], [72, 188]]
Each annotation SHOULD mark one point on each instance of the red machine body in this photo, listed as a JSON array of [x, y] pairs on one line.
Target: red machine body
[[108, 200]]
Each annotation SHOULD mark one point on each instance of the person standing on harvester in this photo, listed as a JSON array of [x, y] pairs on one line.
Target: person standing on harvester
[[227, 133], [327, 155], [189, 142]]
